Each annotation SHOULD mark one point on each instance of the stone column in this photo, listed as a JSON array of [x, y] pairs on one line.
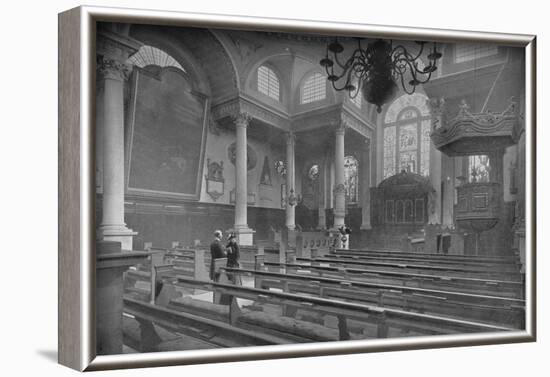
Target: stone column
[[322, 221], [339, 188], [113, 51], [290, 181], [244, 233], [365, 185], [437, 107]]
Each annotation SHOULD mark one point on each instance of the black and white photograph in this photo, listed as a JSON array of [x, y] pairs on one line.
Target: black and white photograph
[[257, 188]]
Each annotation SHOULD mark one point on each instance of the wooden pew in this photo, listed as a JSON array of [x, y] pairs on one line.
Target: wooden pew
[[152, 273], [190, 262], [449, 283], [388, 253], [217, 333], [483, 308], [471, 264], [387, 322], [453, 270]]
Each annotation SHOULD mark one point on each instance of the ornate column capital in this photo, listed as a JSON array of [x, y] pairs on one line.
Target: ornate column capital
[[241, 119], [112, 69], [113, 50]]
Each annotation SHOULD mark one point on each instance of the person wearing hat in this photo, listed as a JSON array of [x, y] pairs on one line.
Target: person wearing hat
[[233, 256], [216, 252]]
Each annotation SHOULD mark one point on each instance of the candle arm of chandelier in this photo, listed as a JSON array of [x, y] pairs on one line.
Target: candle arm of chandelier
[[347, 69], [406, 86], [405, 52]]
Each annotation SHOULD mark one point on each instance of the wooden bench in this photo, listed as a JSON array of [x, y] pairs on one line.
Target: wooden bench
[[386, 321], [483, 308], [449, 283], [471, 264], [216, 333], [151, 273], [190, 262], [396, 253], [454, 270]]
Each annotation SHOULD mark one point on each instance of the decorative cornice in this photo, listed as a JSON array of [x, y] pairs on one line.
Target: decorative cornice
[[257, 111], [226, 109], [356, 124], [116, 46], [333, 116]]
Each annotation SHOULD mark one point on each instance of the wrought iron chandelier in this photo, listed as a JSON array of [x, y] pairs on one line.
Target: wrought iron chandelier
[[376, 69]]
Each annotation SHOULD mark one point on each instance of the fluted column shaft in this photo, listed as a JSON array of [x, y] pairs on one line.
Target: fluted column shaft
[[437, 106], [322, 222], [112, 71], [365, 186], [339, 188], [241, 188], [290, 180]]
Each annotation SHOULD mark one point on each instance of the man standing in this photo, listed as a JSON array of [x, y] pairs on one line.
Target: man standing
[[216, 252]]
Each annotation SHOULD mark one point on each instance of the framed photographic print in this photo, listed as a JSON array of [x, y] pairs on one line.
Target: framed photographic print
[[405, 159]]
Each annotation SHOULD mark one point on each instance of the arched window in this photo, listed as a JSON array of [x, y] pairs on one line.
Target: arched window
[[407, 136], [268, 82], [314, 88], [149, 55], [350, 179]]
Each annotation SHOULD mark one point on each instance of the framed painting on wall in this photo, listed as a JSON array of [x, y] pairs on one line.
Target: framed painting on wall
[[438, 206]]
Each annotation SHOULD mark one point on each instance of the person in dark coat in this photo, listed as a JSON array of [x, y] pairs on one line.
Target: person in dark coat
[[216, 252], [233, 255]]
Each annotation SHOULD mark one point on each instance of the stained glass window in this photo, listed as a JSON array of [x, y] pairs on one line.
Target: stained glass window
[[425, 152], [314, 88], [407, 136], [479, 168], [350, 179], [268, 82], [389, 151]]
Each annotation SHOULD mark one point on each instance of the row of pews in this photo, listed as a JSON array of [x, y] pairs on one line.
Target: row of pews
[[341, 295]]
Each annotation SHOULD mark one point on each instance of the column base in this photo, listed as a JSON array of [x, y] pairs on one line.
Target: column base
[[366, 227], [245, 235], [117, 233]]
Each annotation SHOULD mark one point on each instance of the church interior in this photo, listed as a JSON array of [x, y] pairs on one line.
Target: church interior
[[363, 208]]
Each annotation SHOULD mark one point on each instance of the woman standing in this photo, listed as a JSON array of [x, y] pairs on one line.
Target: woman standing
[[233, 255]]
